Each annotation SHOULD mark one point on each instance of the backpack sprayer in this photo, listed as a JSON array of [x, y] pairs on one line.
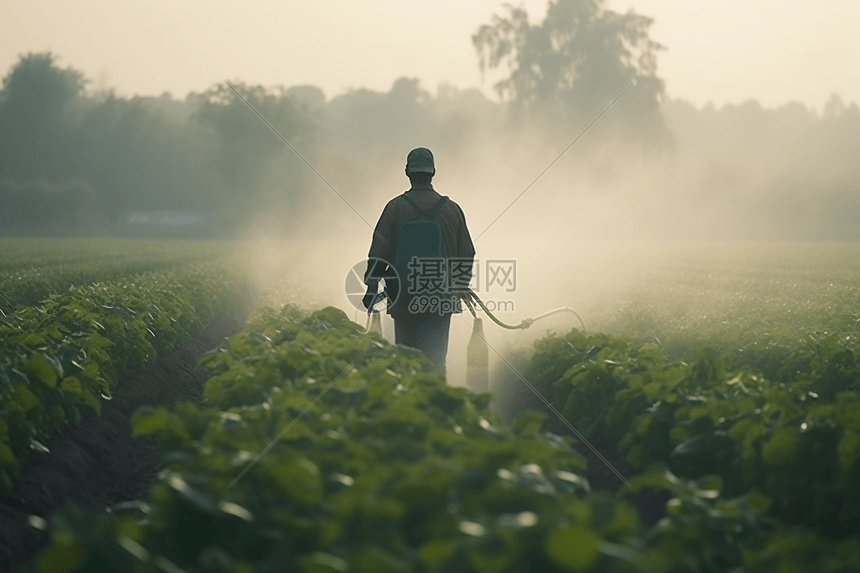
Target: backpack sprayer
[[477, 351], [421, 237]]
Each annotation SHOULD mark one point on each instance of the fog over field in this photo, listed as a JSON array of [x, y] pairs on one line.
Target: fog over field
[[656, 365], [77, 159]]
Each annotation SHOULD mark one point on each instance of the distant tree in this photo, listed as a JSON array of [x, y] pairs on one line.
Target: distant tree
[[138, 157], [368, 133], [36, 117], [255, 166], [37, 207], [383, 122], [309, 98], [569, 67]]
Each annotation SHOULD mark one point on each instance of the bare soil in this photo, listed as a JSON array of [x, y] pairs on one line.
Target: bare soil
[[97, 463]]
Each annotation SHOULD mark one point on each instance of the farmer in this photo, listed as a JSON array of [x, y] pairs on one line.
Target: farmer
[[423, 250]]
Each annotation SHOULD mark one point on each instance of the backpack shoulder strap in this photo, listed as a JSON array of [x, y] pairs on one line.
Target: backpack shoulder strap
[[415, 205], [437, 208]]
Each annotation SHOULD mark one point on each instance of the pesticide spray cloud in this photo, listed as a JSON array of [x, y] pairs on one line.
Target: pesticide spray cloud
[[583, 235]]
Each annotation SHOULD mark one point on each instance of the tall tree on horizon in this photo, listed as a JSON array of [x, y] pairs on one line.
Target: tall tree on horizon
[[255, 169], [36, 117], [565, 70]]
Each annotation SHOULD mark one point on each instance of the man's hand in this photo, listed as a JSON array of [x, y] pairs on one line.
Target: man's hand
[[370, 296]]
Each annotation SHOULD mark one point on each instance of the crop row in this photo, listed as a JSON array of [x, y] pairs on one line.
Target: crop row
[[68, 352], [770, 308], [320, 448], [17, 253], [31, 270], [797, 443]]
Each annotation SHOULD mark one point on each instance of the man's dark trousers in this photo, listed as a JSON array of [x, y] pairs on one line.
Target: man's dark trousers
[[427, 332]]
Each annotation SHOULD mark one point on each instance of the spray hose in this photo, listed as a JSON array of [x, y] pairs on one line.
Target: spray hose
[[477, 351], [469, 297]]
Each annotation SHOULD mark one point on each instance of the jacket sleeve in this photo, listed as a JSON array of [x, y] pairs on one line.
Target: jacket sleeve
[[382, 245]]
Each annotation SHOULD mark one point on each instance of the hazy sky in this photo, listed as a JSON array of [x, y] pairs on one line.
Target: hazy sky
[[722, 51]]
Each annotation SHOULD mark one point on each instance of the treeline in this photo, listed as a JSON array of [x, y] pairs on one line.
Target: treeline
[[784, 173], [78, 161], [72, 161]]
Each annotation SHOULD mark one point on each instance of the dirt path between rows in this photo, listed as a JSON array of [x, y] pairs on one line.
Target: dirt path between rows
[[97, 463]]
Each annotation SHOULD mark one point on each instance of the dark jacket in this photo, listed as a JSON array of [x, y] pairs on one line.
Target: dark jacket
[[458, 242]]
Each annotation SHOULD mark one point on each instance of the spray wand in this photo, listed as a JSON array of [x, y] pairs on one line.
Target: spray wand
[[469, 297], [478, 353]]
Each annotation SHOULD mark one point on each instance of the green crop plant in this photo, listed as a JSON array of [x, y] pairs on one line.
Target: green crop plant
[[68, 352]]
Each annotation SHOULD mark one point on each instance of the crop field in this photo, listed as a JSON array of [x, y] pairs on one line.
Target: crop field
[[721, 383], [77, 315]]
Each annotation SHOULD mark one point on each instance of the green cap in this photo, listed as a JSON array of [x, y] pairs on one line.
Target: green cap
[[420, 160]]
